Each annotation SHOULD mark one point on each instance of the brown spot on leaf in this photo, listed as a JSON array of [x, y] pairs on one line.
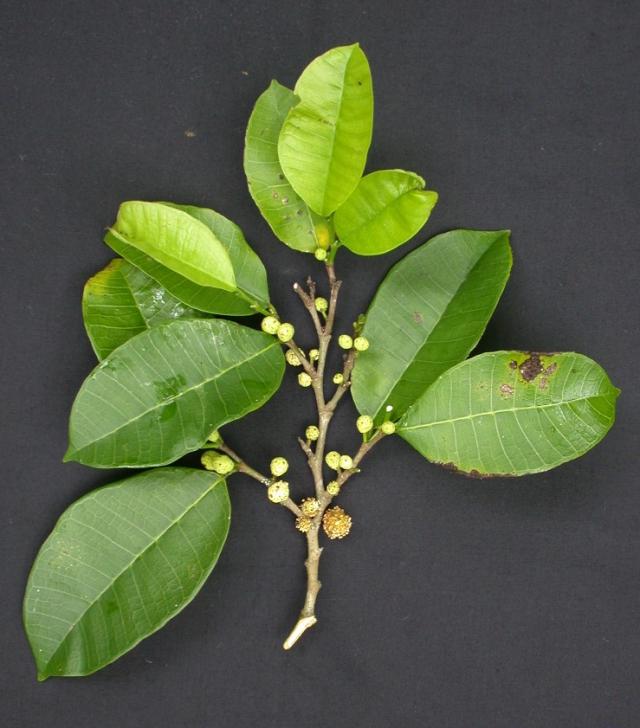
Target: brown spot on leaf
[[506, 389], [417, 317], [543, 382], [513, 364], [531, 367], [551, 368]]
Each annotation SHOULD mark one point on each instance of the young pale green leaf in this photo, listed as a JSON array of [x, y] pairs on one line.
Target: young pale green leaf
[[291, 220], [121, 301], [119, 564], [325, 138], [251, 278], [162, 393], [428, 314], [511, 413], [386, 209], [177, 240]]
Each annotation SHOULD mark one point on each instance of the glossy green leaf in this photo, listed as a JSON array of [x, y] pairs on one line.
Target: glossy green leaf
[[291, 220], [427, 315], [325, 138], [121, 301], [251, 278], [176, 240], [160, 394], [386, 209], [119, 564], [512, 413]]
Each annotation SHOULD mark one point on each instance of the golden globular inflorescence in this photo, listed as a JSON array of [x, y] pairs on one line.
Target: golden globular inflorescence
[[303, 524], [336, 522], [310, 507]]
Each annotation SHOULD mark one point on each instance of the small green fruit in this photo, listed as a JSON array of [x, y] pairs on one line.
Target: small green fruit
[[285, 332], [321, 304], [345, 341], [361, 343], [221, 464], [388, 428], [312, 433], [279, 466], [269, 324], [320, 254], [313, 354], [333, 488], [278, 491], [292, 358], [346, 462], [364, 424], [304, 380], [338, 378], [332, 459]]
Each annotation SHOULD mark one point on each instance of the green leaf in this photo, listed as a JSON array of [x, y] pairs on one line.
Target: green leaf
[[512, 413], [119, 564], [121, 301], [177, 240], [386, 209], [251, 278], [288, 216], [428, 314], [324, 141], [162, 393]]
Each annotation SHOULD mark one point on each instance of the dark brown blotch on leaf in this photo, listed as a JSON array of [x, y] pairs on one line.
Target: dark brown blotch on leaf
[[531, 367]]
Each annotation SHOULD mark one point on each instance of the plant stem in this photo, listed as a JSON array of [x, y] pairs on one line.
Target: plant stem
[[315, 458], [245, 468]]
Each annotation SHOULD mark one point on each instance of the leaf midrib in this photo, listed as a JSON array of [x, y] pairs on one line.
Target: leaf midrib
[[493, 413], [426, 342], [125, 569], [174, 397]]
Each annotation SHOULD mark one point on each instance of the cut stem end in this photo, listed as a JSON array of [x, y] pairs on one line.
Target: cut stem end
[[301, 626]]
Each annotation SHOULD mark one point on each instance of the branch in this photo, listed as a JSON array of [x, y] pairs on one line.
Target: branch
[[244, 467]]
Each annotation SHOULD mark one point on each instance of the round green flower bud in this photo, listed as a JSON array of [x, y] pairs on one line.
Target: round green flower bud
[[345, 341], [215, 437], [278, 491], [333, 488], [221, 464], [321, 304], [320, 254], [360, 343], [292, 358], [313, 354], [364, 423], [332, 459], [388, 428], [338, 378], [304, 380], [279, 466], [312, 432], [285, 332], [269, 324], [346, 462]]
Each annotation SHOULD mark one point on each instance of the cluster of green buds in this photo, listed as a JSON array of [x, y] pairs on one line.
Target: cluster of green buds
[[217, 462], [364, 425], [336, 461], [360, 343], [271, 325]]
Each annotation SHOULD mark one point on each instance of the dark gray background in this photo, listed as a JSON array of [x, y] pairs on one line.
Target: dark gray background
[[455, 603]]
